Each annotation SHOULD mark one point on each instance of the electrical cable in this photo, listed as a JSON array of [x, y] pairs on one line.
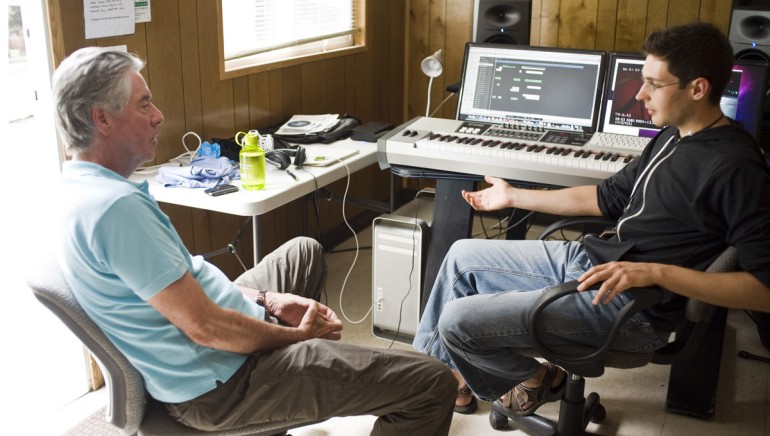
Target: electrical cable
[[357, 250], [411, 269], [181, 160], [442, 103]]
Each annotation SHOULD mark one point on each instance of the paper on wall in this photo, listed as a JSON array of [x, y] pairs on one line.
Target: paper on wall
[[108, 18]]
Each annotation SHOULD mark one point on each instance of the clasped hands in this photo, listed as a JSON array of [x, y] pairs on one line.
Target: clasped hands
[[312, 318]]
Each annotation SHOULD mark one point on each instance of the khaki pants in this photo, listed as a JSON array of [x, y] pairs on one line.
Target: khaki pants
[[318, 379]]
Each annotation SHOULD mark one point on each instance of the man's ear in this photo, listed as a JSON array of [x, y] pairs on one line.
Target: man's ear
[[101, 120], [700, 88]]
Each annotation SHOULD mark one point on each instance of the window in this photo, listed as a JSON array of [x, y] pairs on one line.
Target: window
[[259, 35]]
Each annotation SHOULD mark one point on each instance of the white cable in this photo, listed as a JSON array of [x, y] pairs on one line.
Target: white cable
[[352, 265], [427, 106], [183, 159], [442, 103]]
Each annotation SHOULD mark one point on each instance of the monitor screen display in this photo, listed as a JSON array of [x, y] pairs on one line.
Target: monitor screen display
[[549, 88], [742, 98]]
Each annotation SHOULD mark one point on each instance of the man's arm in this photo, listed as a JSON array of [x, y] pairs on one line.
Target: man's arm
[[580, 200], [185, 305], [738, 290]]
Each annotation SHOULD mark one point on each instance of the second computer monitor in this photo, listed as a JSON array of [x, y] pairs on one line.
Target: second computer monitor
[[548, 88], [742, 98]]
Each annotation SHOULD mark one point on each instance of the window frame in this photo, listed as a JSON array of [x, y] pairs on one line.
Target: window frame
[[359, 46]]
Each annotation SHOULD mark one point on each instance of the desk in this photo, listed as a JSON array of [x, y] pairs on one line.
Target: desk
[[280, 188]]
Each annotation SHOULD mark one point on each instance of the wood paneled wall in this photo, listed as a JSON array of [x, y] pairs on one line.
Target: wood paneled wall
[[180, 47], [587, 24], [383, 84]]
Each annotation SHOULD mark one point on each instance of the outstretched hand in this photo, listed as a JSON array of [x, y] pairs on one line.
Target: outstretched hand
[[313, 318], [495, 197]]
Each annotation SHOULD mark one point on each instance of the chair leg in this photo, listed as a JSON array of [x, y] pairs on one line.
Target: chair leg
[[575, 412]]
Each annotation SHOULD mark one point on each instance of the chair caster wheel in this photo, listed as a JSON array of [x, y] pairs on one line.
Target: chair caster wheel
[[599, 414], [498, 421]]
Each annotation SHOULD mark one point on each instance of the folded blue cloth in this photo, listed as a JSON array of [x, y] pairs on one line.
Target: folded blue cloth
[[203, 172]]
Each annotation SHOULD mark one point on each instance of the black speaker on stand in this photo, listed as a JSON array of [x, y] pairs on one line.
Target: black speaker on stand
[[750, 39], [502, 21], [750, 33]]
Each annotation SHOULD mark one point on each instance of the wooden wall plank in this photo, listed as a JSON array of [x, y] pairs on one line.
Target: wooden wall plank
[[606, 27], [459, 19], [241, 98], [550, 20], [657, 15], [259, 100], [717, 12], [164, 73], [580, 15], [335, 86], [216, 96], [191, 77], [535, 31], [682, 11], [314, 76], [418, 25], [631, 30]]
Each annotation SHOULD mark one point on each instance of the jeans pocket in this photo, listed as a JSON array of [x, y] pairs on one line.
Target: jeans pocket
[[580, 264]]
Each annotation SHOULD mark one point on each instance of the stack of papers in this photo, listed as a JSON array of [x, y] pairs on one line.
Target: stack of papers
[[308, 124]]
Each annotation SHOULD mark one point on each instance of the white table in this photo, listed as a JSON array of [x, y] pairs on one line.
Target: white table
[[280, 187]]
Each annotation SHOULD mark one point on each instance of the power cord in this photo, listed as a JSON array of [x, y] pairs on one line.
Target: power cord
[[181, 160], [411, 269]]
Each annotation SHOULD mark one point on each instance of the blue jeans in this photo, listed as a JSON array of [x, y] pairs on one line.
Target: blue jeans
[[477, 313]]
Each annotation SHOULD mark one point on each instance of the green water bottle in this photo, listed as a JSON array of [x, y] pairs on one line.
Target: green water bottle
[[252, 160]]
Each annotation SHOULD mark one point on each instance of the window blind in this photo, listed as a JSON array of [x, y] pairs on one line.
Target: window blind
[[293, 27]]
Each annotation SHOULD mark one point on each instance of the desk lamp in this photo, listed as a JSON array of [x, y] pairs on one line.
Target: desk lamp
[[432, 66]]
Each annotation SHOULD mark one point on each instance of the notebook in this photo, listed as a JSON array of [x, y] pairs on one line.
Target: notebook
[[325, 155]]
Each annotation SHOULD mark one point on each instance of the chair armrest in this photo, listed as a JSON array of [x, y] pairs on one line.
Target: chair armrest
[[588, 365], [590, 224]]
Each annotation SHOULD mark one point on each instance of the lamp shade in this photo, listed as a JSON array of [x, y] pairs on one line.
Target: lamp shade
[[433, 65]]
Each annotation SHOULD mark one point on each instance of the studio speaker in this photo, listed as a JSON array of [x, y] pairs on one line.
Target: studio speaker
[[750, 33], [502, 21]]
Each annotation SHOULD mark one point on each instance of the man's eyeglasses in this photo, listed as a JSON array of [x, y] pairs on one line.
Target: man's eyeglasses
[[653, 87]]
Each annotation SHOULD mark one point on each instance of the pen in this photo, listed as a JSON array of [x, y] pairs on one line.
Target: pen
[[293, 176]]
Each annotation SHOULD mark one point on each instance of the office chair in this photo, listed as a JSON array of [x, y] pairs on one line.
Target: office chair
[[576, 409], [129, 406]]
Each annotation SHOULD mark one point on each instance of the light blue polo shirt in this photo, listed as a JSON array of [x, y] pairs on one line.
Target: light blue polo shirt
[[117, 249]]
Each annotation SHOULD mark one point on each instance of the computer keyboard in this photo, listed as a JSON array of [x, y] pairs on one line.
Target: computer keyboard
[[614, 140]]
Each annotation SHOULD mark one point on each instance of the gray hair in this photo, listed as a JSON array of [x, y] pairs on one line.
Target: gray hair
[[90, 77]]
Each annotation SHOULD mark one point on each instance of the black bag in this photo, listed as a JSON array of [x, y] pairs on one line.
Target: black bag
[[341, 130]]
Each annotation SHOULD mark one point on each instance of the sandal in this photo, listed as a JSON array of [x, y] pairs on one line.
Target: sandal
[[523, 401], [470, 407]]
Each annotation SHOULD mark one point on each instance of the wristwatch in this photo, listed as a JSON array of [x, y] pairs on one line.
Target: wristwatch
[[260, 298]]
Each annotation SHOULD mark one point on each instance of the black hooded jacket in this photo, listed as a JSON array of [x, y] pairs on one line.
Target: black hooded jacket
[[694, 197]]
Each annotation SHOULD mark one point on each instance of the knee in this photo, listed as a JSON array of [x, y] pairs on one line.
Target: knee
[[451, 321], [308, 245]]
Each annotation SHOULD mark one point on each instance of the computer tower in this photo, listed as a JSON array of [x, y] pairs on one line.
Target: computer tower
[[399, 242]]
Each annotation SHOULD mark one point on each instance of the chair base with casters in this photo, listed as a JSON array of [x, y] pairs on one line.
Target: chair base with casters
[[576, 409], [129, 406]]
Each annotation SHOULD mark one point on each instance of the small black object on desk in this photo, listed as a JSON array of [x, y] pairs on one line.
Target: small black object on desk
[[370, 131]]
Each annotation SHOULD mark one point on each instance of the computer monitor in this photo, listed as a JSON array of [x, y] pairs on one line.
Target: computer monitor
[[742, 99], [548, 88]]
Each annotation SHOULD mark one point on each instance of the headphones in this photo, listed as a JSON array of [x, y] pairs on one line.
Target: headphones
[[281, 158]]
